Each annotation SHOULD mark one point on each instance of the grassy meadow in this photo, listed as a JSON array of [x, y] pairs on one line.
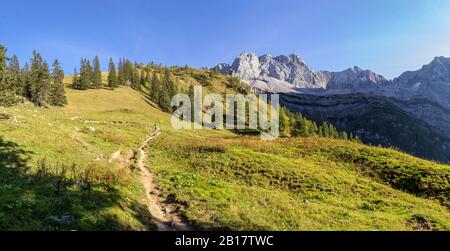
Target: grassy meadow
[[59, 170]]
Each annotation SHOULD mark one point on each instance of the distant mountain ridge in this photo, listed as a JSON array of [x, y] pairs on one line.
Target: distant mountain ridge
[[282, 73], [411, 112]]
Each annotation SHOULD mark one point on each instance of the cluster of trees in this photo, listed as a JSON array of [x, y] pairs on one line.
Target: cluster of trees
[[295, 125], [126, 74], [162, 89], [159, 81], [33, 82], [90, 75]]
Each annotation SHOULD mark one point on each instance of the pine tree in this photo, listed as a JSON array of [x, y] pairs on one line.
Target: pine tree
[[112, 75], [120, 73], [128, 73], [155, 88], [85, 78], [90, 72], [40, 80], [97, 74], [136, 84], [16, 74], [57, 92], [7, 91], [296, 125], [164, 100], [143, 78], [284, 122], [148, 78], [26, 80], [169, 84]]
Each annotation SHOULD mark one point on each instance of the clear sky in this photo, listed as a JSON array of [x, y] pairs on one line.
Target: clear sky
[[387, 36]]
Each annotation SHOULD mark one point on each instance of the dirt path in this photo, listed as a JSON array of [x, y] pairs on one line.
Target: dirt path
[[165, 215]]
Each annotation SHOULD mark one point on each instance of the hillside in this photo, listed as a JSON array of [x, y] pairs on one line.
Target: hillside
[[74, 168]]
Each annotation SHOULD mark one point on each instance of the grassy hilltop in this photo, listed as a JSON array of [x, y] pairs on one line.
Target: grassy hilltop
[[74, 168]]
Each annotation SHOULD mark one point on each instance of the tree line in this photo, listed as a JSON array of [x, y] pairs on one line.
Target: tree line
[[34, 82], [296, 125], [89, 75], [159, 87]]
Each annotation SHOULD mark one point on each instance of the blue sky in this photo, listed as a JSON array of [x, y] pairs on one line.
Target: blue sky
[[386, 36]]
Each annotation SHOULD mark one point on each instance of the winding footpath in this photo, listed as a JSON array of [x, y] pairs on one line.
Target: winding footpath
[[165, 215]]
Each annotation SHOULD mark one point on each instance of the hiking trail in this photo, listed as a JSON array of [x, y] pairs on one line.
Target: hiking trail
[[165, 214]]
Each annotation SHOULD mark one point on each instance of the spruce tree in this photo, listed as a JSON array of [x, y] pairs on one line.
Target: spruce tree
[[97, 74], [57, 92], [26, 81], [85, 78], [112, 75], [120, 71], [284, 122], [169, 84], [155, 88], [148, 78], [136, 80], [164, 100], [128, 72], [90, 72], [7, 91], [16, 74], [143, 78], [39, 80]]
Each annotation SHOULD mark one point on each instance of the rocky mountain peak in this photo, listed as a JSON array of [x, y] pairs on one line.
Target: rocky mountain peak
[[440, 61], [437, 71], [283, 72]]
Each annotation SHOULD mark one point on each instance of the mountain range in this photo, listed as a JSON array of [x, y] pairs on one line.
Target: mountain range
[[410, 112]]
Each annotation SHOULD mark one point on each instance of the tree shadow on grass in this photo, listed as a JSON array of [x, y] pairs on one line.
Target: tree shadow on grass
[[46, 201], [148, 100]]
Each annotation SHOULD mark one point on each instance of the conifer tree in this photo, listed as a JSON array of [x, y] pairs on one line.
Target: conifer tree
[[90, 73], [97, 74], [25, 74], [128, 72], [57, 92], [112, 75], [7, 91], [164, 100], [136, 79], [284, 122], [14, 69], [85, 78], [169, 84], [39, 80], [155, 88], [120, 73], [143, 78], [148, 78]]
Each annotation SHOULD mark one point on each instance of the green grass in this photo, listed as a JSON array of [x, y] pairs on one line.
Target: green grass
[[223, 181], [292, 184], [121, 118]]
